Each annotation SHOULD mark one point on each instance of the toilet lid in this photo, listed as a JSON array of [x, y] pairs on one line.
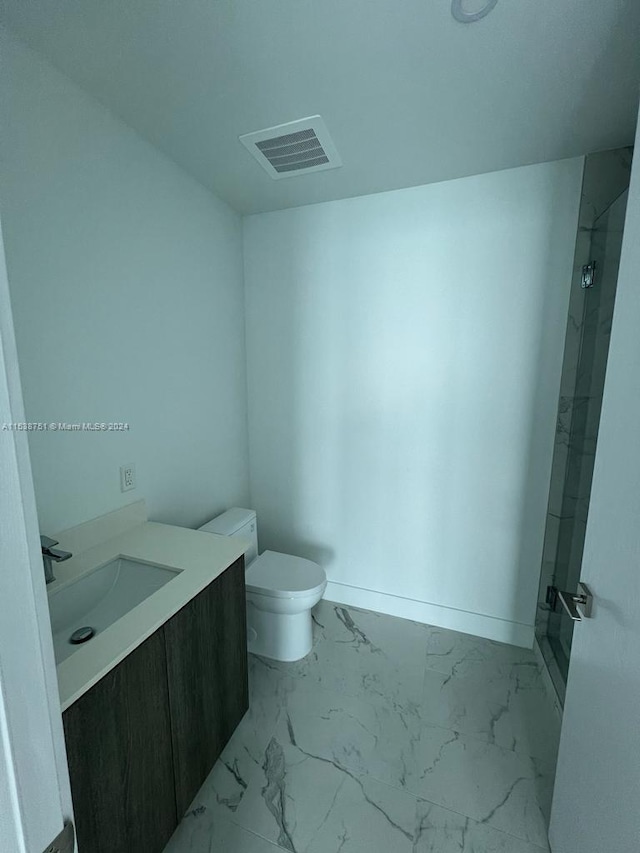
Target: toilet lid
[[284, 576]]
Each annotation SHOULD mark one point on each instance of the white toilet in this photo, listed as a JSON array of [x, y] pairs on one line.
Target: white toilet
[[281, 590]]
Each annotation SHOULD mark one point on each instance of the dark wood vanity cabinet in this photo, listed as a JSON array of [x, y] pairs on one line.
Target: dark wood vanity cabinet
[[118, 739], [143, 739], [207, 668]]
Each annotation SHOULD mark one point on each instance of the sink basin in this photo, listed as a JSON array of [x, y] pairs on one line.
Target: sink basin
[[99, 598]]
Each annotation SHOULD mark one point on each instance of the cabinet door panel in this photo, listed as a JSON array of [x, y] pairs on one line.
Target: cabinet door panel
[[119, 749], [206, 645]]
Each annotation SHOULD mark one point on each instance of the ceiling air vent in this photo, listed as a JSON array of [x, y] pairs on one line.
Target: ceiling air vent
[[295, 148]]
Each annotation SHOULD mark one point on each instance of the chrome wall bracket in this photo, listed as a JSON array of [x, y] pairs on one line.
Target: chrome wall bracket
[[588, 275]]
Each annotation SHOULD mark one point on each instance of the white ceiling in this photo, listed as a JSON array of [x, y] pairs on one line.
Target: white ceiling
[[409, 95]]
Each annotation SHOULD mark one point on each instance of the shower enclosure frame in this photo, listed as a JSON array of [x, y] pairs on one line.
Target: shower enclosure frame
[[593, 288]]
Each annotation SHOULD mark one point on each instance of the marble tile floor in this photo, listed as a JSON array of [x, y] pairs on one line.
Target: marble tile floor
[[390, 737]]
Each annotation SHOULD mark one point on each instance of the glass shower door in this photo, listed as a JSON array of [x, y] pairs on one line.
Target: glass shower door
[[586, 350]]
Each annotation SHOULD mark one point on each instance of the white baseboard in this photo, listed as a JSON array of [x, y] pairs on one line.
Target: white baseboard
[[502, 630]]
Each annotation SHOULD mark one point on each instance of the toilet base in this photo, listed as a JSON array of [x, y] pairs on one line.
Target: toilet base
[[279, 636]]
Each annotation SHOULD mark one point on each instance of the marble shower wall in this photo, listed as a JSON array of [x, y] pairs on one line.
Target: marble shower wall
[[599, 238]]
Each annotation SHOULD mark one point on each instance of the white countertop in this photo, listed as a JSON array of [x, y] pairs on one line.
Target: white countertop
[[199, 557]]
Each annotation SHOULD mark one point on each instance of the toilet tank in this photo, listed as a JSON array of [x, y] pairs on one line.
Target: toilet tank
[[237, 522]]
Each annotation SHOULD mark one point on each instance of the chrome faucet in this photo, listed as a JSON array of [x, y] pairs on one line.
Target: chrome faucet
[[49, 554]]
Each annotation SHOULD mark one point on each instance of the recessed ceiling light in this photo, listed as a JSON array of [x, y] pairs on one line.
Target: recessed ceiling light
[[460, 13]]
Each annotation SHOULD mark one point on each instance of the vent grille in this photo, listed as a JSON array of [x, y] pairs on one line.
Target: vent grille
[[308, 149]]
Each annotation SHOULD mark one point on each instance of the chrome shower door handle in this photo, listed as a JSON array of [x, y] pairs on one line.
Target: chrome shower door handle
[[577, 605]]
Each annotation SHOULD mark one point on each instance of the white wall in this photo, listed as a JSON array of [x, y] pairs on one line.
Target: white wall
[[126, 284], [404, 355]]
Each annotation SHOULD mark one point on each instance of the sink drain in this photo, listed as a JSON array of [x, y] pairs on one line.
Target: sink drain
[[81, 635]]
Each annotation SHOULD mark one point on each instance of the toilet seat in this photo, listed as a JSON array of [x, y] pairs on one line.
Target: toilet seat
[[284, 576]]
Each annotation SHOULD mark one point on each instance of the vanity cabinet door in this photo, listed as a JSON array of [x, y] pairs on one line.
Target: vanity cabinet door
[[118, 738], [206, 646]]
